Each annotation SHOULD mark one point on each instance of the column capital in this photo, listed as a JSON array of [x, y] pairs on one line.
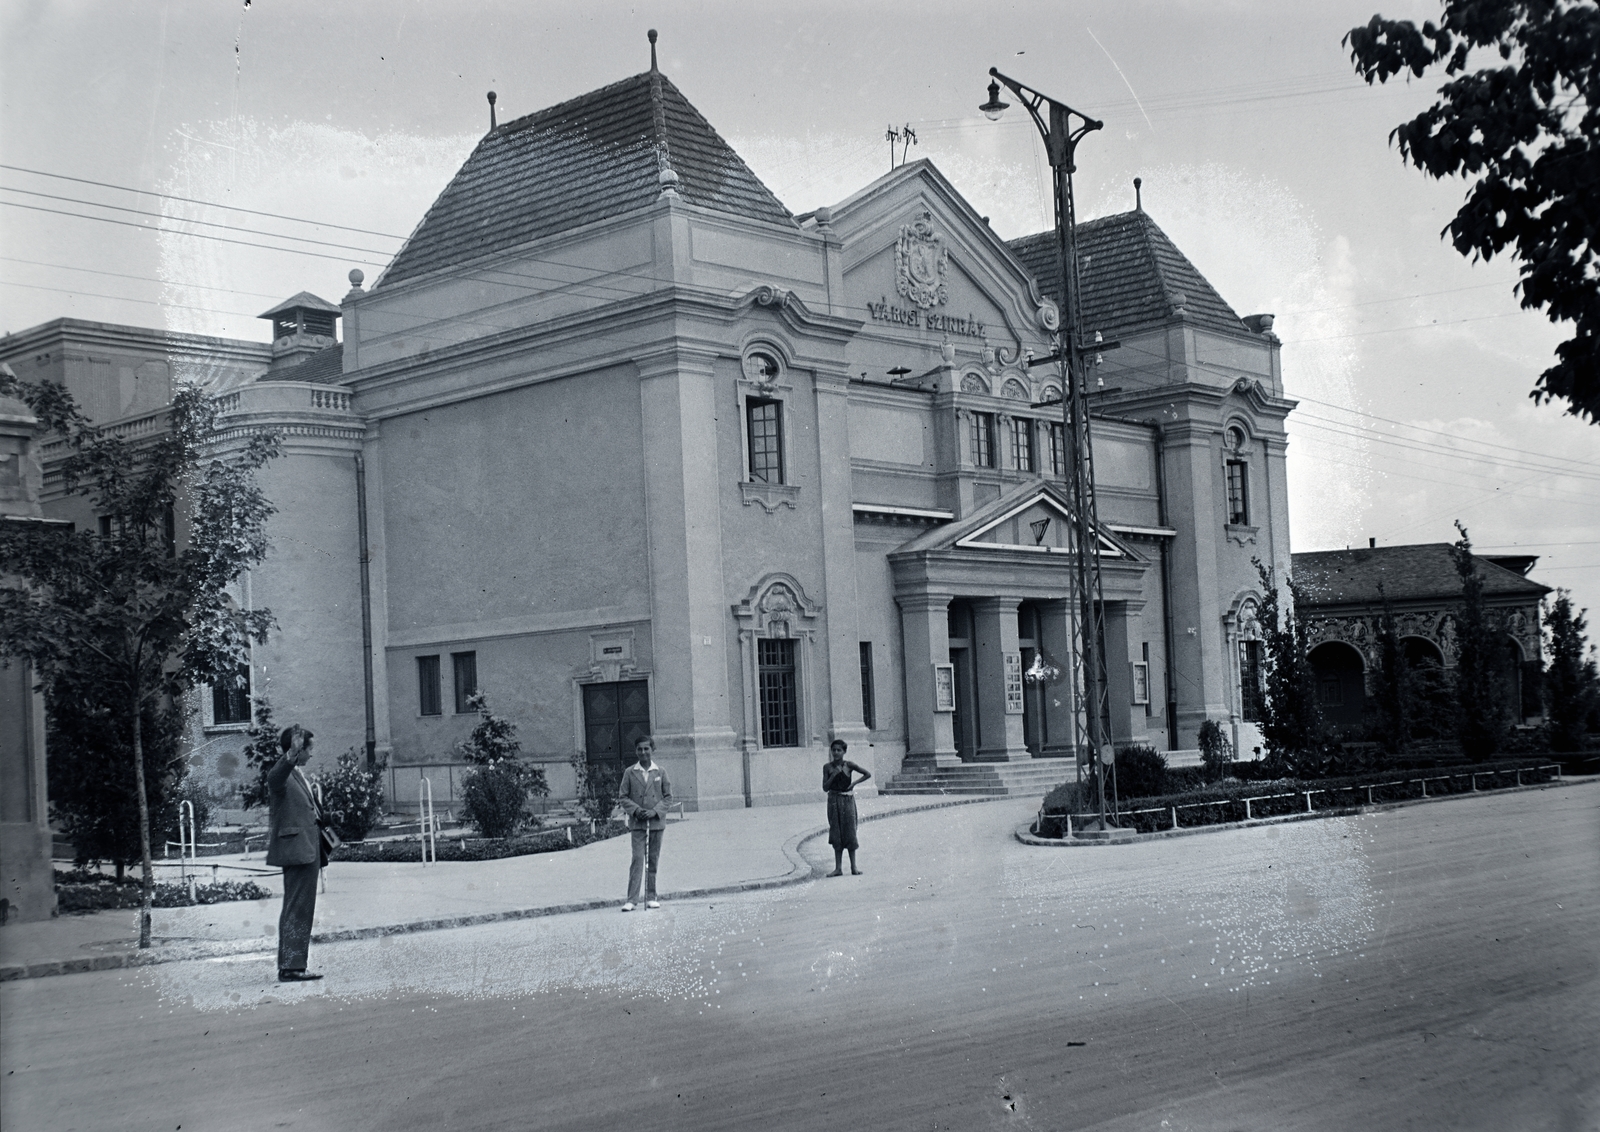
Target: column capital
[[924, 602]]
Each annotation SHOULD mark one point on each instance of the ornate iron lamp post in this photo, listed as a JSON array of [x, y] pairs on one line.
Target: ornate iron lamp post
[[1062, 128]]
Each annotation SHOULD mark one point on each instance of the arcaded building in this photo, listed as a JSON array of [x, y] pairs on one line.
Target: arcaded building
[[623, 442]]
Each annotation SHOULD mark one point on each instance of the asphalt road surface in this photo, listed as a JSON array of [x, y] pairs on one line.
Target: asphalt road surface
[[1436, 967]]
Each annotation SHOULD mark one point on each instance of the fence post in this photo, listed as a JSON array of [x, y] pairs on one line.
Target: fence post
[[1308, 801], [1247, 809], [1474, 781], [1174, 817], [1068, 819], [1424, 782], [1519, 776], [1369, 795]]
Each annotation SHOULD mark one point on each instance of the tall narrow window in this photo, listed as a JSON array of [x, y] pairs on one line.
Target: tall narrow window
[[780, 700], [983, 439], [1022, 444], [428, 686], [1058, 448], [869, 708], [230, 700], [466, 666], [1250, 681], [765, 419], [1238, 493]]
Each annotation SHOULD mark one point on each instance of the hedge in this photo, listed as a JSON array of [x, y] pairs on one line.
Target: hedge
[[409, 849], [83, 891]]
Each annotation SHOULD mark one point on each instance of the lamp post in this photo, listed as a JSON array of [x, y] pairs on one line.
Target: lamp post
[[1062, 128]]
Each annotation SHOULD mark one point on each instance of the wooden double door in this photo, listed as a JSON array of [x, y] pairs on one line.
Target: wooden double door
[[615, 717]]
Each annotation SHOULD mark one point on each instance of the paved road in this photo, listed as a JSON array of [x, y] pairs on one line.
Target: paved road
[[1433, 967]]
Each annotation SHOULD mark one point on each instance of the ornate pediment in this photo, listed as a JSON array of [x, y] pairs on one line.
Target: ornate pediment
[[776, 606]]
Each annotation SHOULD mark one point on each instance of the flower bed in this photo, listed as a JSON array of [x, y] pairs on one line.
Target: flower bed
[[83, 891], [1240, 801], [409, 849]]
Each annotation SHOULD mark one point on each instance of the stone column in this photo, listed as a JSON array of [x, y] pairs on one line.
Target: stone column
[[688, 610], [1119, 676], [1060, 710], [994, 641], [925, 633]]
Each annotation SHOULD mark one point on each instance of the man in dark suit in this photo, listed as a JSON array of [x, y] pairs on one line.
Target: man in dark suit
[[294, 841]]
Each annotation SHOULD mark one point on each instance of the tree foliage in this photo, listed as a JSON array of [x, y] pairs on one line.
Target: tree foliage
[[1571, 683], [131, 620], [1520, 116], [1480, 662], [1291, 724]]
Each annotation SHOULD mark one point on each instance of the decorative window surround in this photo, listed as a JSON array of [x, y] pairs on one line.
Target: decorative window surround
[[771, 496], [777, 607]]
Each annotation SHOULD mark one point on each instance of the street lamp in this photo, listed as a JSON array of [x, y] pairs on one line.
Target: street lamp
[[1062, 128]]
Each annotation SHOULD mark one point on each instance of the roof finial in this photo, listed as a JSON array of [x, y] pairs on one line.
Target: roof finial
[[1138, 197], [491, 111], [658, 120], [652, 34]]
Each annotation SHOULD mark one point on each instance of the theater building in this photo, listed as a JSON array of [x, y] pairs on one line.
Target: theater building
[[621, 441]]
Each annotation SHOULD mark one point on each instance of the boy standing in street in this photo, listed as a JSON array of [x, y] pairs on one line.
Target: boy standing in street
[[644, 794]]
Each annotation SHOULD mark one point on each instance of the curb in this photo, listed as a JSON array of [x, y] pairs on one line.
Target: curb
[[1024, 834], [800, 871]]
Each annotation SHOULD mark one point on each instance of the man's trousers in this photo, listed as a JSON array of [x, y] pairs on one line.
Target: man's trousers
[[294, 923], [646, 852]]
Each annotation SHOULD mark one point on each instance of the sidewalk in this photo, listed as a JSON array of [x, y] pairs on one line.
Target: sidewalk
[[707, 853]]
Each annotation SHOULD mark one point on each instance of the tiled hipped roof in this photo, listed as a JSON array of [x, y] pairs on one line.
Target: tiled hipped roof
[[1130, 274], [573, 164], [1407, 573]]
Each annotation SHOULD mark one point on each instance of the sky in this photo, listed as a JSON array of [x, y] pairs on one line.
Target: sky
[[1262, 155]]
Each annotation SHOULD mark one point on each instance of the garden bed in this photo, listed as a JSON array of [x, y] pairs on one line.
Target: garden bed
[[409, 849], [1232, 800], [82, 890]]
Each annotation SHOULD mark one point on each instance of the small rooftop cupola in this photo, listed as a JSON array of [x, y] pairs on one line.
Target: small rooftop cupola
[[301, 326]]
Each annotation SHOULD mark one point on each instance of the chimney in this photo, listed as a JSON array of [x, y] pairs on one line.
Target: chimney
[[1372, 544]]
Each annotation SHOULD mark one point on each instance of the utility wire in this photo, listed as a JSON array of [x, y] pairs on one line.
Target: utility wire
[[192, 200]]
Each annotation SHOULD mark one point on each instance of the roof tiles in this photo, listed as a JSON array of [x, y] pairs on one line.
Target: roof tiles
[[1419, 572], [569, 165], [1130, 273]]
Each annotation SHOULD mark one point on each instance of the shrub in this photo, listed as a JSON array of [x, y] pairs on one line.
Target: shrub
[[1216, 752], [82, 890], [494, 797], [481, 849], [597, 789], [352, 795], [1140, 771]]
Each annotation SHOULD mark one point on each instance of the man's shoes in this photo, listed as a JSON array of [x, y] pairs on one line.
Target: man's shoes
[[628, 907], [652, 903], [297, 977]]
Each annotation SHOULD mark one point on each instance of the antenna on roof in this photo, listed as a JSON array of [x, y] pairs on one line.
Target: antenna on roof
[[1138, 197], [491, 111]]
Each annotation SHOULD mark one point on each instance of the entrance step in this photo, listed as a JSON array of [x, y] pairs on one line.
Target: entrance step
[[1035, 776]]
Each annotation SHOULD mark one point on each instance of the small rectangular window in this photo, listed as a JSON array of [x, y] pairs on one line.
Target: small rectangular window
[[230, 699], [869, 709], [765, 420], [779, 693], [428, 686], [466, 673], [1141, 682], [1238, 493], [1022, 444], [1250, 681], [983, 439], [105, 528], [1058, 448]]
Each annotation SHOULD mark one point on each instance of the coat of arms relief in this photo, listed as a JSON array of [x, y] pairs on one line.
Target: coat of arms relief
[[920, 263]]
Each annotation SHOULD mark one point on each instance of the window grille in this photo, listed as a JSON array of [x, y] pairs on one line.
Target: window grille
[[1022, 444], [1250, 681], [780, 701], [1238, 493], [869, 709], [428, 702], [230, 702], [466, 673], [1058, 448], [765, 420], [983, 439]]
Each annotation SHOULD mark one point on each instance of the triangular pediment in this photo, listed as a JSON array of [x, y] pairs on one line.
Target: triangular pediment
[[927, 270], [1032, 518]]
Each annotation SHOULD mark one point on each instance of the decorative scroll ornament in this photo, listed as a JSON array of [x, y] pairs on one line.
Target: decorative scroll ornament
[[921, 263]]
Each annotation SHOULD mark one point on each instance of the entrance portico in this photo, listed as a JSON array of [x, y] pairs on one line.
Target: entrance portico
[[983, 602]]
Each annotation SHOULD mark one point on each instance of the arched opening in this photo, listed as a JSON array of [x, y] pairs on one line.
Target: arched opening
[[1521, 688], [1429, 693], [1341, 688]]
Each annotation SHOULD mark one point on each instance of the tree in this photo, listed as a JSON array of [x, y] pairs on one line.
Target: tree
[[1480, 662], [495, 794], [1291, 724], [1393, 687], [1526, 127], [129, 620], [1571, 683]]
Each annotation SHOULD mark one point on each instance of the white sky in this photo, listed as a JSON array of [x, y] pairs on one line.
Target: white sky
[[1262, 156]]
